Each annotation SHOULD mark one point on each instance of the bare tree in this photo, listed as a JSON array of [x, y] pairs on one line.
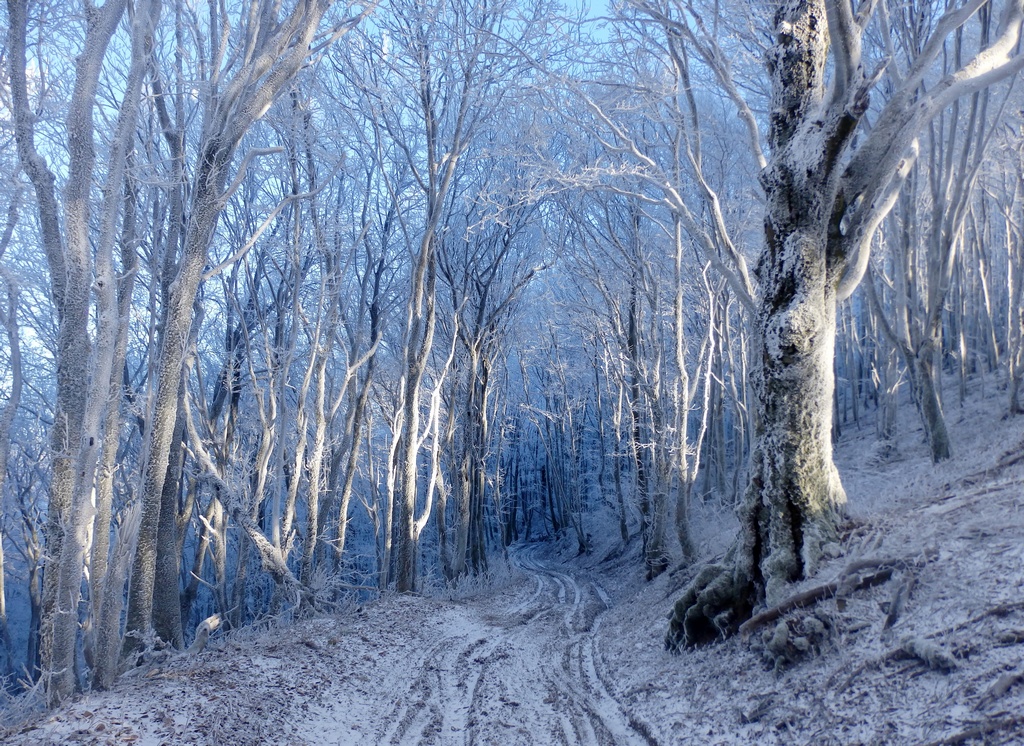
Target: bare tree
[[84, 370], [929, 237], [825, 196], [273, 47]]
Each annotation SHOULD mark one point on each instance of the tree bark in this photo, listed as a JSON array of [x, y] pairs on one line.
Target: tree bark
[[794, 497], [167, 621], [274, 54], [822, 209]]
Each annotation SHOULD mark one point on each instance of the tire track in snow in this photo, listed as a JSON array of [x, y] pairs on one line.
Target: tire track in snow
[[599, 717], [517, 666]]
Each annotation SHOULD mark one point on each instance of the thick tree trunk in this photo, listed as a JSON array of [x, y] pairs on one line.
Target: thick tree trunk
[[99, 562], [67, 252], [794, 498]]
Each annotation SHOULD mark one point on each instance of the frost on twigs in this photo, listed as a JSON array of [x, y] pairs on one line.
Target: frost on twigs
[[793, 639], [929, 653]]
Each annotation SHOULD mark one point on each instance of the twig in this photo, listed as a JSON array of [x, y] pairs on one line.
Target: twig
[[875, 663], [933, 656], [1010, 458], [985, 728], [1000, 610]]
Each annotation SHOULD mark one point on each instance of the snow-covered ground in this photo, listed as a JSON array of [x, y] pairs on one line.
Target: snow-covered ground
[[568, 650]]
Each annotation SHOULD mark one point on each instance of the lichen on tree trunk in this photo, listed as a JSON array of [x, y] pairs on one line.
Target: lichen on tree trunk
[[794, 498]]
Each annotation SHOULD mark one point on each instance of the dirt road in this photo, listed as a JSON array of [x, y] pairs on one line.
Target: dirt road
[[521, 666]]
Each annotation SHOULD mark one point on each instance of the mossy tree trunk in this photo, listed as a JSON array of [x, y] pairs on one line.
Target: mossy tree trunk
[[824, 202], [794, 497]]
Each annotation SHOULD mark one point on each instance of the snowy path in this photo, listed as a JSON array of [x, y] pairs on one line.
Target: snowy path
[[519, 667], [516, 665]]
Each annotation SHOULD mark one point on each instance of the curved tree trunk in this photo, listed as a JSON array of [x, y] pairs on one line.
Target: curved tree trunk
[[794, 497]]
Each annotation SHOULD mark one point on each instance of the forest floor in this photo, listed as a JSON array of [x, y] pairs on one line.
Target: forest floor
[[568, 650]]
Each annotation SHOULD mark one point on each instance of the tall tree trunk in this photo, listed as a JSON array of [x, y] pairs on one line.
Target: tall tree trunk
[[9, 321], [419, 343], [164, 418], [99, 561], [167, 596], [276, 49], [794, 497]]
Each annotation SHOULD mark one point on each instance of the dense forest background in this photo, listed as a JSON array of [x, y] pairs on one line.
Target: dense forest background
[[303, 302]]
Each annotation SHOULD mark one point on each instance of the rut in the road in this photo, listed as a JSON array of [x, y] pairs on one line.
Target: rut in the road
[[519, 668]]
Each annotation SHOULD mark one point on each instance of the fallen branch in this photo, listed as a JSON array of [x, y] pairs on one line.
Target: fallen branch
[[1001, 686], [806, 598], [875, 663], [932, 655], [1000, 610], [1010, 637], [208, 626], [985, 728], [850, 579]]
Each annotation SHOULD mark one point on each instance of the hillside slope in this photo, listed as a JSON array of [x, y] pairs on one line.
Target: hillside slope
[[568, 649]]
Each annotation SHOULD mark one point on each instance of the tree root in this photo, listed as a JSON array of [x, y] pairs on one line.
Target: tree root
[[855, 577], [713, 606], [723, 595], [813, 595]]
